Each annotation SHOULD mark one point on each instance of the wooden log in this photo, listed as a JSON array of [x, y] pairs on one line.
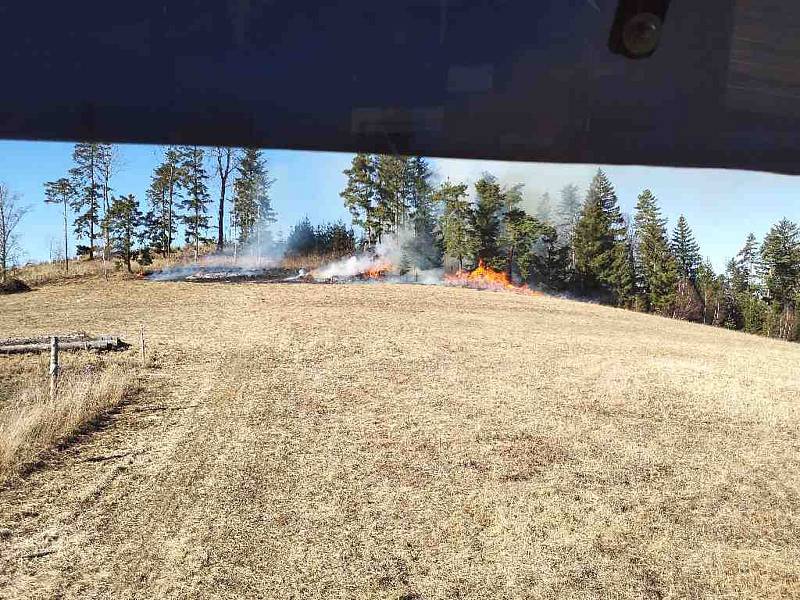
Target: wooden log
[[45, 339], [104, 343]]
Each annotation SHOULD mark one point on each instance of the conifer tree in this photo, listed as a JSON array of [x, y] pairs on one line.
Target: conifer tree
[[710, 289], [520, 235], [655, 266], [751, 310], [85, 178], [360, 196], [551, 264], [61, 191], [302, 239], [746, 263], [599, 242], [419, 191], [196, 197], [780, 263], [163, 195], [623, 282], [423, 247], [393, 191], [569, 210], [685, 249], [252, 207], [123, 222], [455, 221], [485, 220], [107, 163], [544, 210]]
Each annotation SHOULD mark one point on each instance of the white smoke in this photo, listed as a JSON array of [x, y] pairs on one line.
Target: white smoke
[[238, 260], [386, 255]]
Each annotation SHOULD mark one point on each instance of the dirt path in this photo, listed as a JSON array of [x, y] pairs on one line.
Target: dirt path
[[398, 442]]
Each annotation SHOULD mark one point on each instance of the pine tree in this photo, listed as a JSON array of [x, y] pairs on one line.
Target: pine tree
[[195, 201], [393, 191], [551, 263], [252, 207], [569, 210], [485, 221], [85, 178], [61, 191], [655, 266], [598, 242], [520, 235], [303, 239], [360, 196], [544, 210], [455, 220], [686, 250], [780, 263], [423, 248], [107, 162], [420, 197], [710, 289], [751, 310], [163, 195], [746, 265], [623, 283], [123, 222]]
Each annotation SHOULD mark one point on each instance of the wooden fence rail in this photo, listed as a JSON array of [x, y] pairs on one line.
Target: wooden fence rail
[[105, 342]]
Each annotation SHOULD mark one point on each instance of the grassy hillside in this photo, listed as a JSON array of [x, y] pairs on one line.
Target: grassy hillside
[[410, 441]]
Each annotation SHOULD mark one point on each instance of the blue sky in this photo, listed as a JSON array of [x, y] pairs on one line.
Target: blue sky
[[722, 207]]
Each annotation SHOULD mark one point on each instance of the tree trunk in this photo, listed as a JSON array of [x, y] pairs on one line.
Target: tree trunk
[[66, 239], [221, 214], [128, 249], [93, 207], [169, 213], [3, 243], [91, 239]]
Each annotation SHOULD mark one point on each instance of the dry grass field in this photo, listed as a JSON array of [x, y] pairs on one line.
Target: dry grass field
[[407, 442]]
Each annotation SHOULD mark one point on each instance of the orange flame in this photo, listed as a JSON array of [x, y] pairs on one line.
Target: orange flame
[[377, 270], [486, 278]]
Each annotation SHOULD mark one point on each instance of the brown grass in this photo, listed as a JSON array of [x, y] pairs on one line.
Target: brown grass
[[308, 261], [389, 441], [32, 423], [48, 273]]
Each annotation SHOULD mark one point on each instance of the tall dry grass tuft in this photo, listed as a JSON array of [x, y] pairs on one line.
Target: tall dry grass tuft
[[32, 423], [309, 261]]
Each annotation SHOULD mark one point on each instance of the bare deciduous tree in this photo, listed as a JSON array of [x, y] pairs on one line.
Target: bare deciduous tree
[[11, 213], [226, 159], [62, 192]]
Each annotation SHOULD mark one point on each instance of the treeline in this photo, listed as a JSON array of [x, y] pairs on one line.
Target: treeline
[[582, 246], [325, 240], [396, 195], [177, 199]]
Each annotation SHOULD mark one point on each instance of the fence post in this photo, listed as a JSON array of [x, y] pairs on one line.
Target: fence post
[[141, 344], [53, 366]]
